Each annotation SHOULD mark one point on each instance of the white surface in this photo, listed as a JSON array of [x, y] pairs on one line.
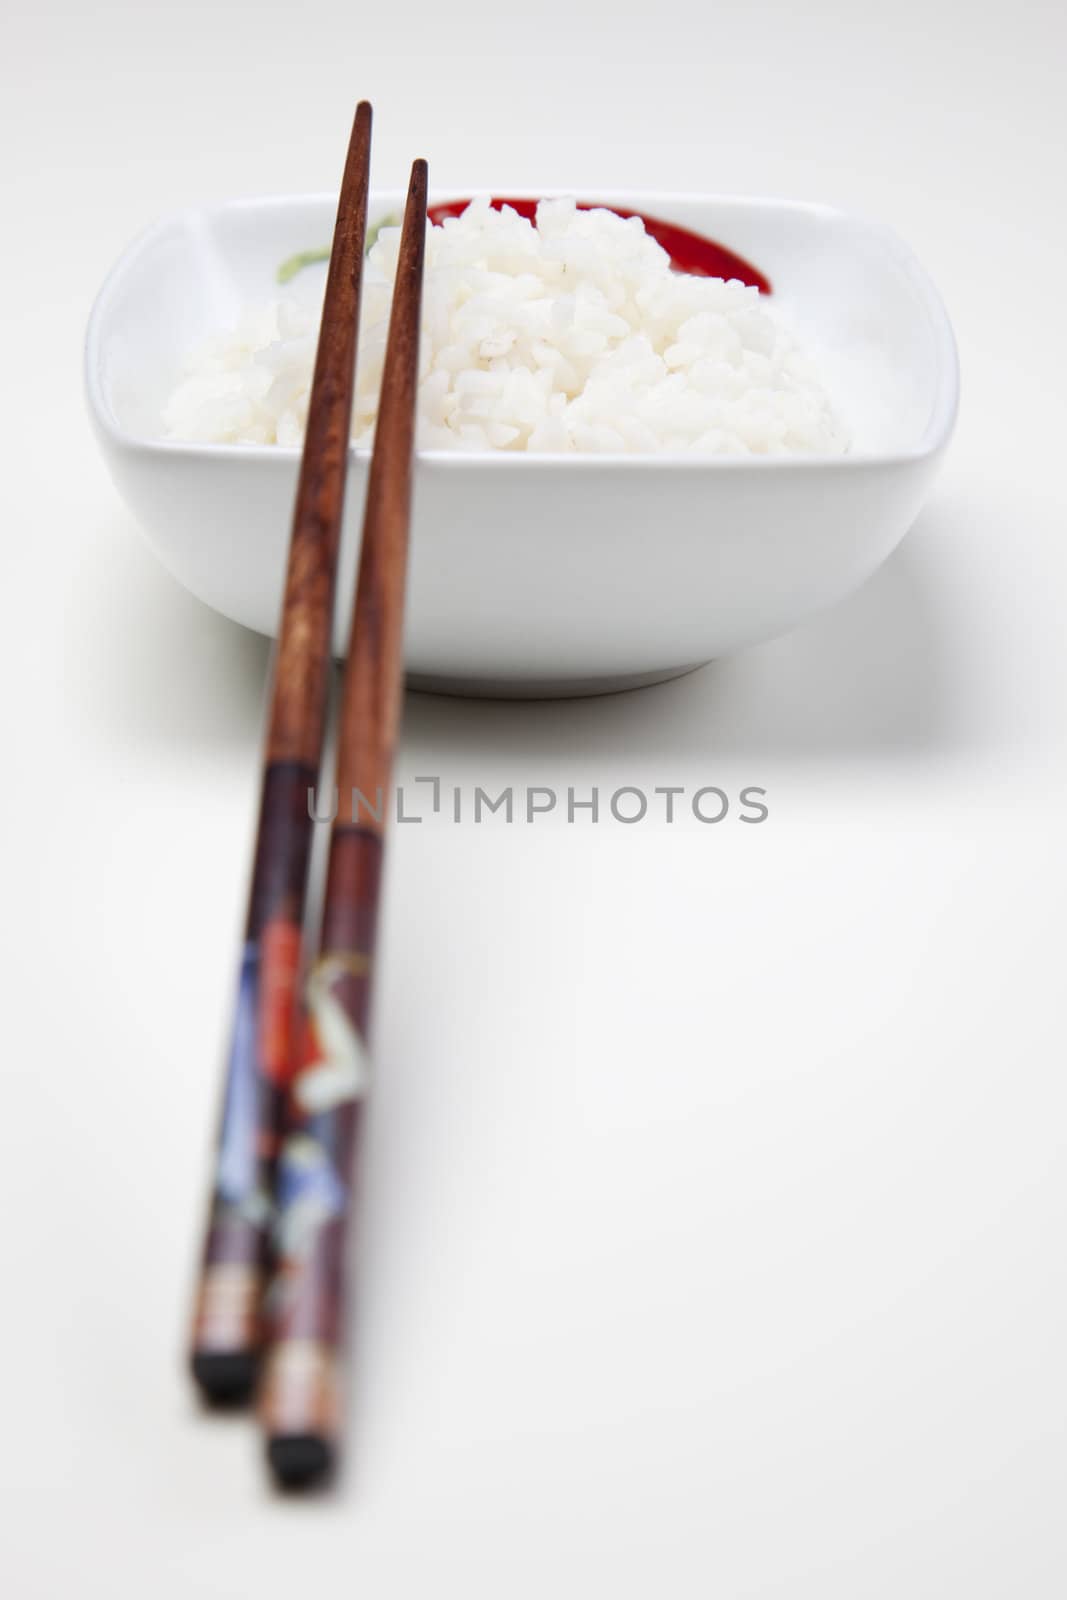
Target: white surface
[[715, 1213], [547, 574]]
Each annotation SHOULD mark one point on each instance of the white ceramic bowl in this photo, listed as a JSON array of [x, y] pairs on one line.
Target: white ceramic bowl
[[547, 574]]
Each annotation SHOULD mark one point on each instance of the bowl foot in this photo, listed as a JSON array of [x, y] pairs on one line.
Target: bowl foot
[[533, 688]]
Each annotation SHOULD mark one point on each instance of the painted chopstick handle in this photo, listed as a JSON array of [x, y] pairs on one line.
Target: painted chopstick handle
[[227, 1322], [227, 1331], [300, 1400]]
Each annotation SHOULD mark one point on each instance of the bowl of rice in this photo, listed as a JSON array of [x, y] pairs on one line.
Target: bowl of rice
[[624, 469]]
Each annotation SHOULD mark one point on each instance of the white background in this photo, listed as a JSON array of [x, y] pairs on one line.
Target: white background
[[713, 1239]]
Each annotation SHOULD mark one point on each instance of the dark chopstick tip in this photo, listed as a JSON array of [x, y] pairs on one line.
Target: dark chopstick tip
[[300, 1460], [226, 1379]]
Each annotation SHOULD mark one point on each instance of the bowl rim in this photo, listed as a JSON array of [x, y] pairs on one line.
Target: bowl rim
[[935, 437]]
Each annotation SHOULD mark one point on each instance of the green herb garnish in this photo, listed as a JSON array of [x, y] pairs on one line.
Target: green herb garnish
[[304, 258], [311, 258]]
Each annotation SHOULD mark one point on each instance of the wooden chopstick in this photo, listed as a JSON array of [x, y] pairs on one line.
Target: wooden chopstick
[[227, 1324], [300, 1401]]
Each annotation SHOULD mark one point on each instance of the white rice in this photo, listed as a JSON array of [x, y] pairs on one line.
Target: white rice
[[573, 334]]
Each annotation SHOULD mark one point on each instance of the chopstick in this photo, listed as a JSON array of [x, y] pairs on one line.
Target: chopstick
[[300, 1402], [227, 1322]]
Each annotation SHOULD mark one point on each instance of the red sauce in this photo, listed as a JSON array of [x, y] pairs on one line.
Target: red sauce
[[689, 252]]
